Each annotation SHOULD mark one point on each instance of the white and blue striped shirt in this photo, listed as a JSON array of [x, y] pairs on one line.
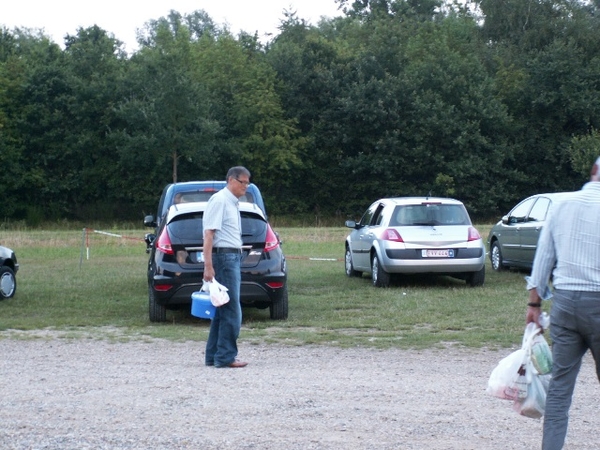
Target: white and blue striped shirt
[[569, 245], [223, 215]]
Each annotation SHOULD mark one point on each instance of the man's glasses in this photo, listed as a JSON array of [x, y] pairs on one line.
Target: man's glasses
[[245, 183]]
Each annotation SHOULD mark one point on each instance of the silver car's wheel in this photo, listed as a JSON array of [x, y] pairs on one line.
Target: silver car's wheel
[[8, 282], [379, 276], [349, 266], [476, 278], [496, 257]]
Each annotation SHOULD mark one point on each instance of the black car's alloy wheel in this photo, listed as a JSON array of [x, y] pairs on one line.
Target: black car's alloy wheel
[[8, 282]]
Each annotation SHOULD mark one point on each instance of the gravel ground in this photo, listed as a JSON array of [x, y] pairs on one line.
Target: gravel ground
[[96, 394]]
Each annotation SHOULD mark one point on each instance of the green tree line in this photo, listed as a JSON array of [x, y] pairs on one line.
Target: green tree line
[[487, 101]]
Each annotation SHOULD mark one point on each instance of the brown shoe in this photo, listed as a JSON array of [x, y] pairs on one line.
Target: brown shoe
[[237, 364]]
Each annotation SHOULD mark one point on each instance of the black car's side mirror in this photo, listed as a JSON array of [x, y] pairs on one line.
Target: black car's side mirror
[[149, 238]]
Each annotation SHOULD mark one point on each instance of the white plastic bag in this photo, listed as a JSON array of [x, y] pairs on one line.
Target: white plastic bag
[[504, 380], [534, 404], [541, 355], [218, 292], [517, 378]]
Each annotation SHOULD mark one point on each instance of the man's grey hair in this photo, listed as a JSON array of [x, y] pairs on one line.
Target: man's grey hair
[[236, 171]]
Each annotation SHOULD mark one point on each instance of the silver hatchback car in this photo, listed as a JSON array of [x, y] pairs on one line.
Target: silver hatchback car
[[409, 235]]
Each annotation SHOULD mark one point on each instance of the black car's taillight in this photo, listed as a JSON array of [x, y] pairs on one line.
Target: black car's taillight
[[163, 243], [272, 241], [162, 287]]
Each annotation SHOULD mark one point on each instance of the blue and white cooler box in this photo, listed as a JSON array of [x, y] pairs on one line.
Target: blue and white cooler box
[[202, 306]]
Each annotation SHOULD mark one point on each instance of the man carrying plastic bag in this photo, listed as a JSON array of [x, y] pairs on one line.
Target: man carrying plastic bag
[[568, 252], [222, 253]]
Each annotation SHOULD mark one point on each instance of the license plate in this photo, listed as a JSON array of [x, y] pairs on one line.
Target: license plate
[[437, 253]]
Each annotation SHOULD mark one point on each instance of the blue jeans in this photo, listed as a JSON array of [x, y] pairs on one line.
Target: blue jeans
[[574, 328], [221, 346]]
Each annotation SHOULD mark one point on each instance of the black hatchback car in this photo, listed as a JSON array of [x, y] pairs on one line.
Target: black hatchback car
[[175, 267]]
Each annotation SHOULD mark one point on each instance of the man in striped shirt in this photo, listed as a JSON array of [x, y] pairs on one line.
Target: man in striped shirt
[[568, 251], [222, 259]]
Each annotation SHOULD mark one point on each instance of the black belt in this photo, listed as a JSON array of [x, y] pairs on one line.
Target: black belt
[[226, 250]]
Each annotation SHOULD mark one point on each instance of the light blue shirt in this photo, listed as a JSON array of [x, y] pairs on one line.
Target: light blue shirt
[[223, 215], [569, 245]]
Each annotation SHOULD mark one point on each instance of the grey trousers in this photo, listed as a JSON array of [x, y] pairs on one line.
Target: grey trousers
[[574, 329]]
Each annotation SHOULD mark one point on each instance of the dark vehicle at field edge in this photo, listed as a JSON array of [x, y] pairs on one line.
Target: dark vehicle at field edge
[[8, 270], [176, 264], [513, 239]]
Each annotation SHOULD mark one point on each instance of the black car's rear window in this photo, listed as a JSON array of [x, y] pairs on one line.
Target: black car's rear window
[[429, 214], [188, 227], [204, 195]]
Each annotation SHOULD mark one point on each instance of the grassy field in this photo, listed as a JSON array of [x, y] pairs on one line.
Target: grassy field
[[105, 296]]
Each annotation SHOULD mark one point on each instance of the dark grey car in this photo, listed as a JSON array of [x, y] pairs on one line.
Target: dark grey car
[[513, 240]]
